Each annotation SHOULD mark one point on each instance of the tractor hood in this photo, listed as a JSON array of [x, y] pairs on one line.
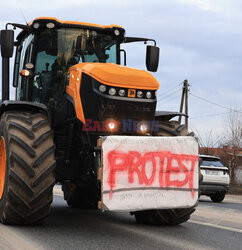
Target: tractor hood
[[118, 76]]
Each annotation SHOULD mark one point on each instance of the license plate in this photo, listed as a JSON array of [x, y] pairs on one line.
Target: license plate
[[212, 172]]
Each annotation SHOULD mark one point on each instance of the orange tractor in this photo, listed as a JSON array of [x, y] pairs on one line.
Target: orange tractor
[[81, 119]]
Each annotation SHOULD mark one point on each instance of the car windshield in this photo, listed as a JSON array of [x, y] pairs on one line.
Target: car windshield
[[211, 162]]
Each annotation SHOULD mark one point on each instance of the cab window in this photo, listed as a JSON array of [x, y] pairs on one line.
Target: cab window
[[24, 57]]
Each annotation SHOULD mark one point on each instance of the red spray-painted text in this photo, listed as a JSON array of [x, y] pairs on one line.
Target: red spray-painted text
[[162, 165]]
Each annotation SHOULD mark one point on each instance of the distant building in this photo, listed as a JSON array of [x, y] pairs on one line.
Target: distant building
[[238, 170]]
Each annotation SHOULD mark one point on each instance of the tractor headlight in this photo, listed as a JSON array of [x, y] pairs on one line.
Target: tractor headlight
[[112, 91], [111, 125], [121, 92], [148, 94], [102, 88], [143, 128], [116, 32], [139, 94], [125, 92], [50, 25], [36, 25]]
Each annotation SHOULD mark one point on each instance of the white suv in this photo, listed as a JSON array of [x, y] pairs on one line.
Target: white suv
[[216, 179]]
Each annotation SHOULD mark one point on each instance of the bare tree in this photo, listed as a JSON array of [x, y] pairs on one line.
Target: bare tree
[[208, 143], [233, 138]]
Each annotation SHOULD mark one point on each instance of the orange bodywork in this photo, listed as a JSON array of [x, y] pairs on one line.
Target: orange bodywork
[[75, 23], [108, 74], [2, 165]]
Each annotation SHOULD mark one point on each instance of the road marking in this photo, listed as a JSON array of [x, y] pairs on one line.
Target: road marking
[[58, 192], [155, 237], [216, 226], [13, 238]]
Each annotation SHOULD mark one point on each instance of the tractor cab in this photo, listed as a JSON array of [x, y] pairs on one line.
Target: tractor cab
[[48, 47]]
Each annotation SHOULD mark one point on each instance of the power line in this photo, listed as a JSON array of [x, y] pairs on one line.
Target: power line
[[172, 93], [219, 105], [170, 99], [168, 94], [164, 100], [206, 115], [169, 90]]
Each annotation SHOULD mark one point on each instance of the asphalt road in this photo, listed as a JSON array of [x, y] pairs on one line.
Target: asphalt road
[[212, 226]]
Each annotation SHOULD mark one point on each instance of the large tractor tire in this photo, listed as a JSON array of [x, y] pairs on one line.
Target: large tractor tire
[[166, 216], [27, 164]]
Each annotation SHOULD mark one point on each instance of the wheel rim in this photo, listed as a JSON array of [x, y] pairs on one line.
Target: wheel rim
[[2, 165]]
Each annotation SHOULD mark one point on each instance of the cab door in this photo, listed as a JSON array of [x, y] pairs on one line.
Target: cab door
[[24, 55]]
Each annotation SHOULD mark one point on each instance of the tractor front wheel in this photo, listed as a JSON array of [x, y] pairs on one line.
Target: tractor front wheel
[[27, 163], [166, 216]]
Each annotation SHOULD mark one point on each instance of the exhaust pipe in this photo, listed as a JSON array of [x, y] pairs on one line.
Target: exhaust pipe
[[5, 79], [7, 45]]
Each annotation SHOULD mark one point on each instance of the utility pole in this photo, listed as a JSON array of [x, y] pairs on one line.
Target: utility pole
[[184, 97]]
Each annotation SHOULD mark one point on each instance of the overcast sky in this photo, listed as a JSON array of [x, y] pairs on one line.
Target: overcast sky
[[199, 40]]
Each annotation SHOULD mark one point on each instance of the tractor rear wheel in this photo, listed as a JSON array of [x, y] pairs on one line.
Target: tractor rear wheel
[[27, 166], [166, 216]]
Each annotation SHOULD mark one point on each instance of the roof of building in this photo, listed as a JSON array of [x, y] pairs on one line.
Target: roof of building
[[209, 156]]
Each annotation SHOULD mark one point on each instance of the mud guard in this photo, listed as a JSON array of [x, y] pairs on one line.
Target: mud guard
[[22, 105], [167, 115]]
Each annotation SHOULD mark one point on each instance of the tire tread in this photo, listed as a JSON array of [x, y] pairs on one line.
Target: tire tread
[[31, 170]]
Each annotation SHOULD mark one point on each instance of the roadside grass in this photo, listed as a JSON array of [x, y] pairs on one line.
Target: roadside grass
[[235, 189]]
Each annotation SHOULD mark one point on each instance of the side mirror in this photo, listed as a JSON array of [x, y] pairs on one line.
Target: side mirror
[[152, 58], [7, 43]]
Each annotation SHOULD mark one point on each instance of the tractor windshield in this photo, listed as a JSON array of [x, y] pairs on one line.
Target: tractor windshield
[[69, 46], [59, 49]]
